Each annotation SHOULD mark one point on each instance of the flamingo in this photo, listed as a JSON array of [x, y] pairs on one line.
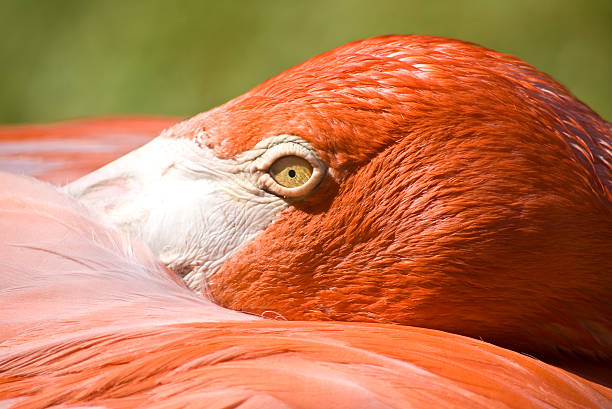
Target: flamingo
[[90, 318], [64, 151], [431, 187]]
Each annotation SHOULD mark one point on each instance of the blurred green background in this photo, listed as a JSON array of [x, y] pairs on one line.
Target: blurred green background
[[64, 59]]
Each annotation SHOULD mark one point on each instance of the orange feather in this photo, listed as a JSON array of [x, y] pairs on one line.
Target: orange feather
[[467, 193], [89, 318], [470, 193]]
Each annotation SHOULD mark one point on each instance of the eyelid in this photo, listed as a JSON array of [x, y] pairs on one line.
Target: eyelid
[[276, 151]]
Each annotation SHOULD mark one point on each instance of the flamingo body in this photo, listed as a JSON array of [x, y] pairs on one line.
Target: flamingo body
[[453, 188], [90, 319], [404, 180], [64, 151]]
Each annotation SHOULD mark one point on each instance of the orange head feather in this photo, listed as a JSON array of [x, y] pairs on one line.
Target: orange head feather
[[467, 192]]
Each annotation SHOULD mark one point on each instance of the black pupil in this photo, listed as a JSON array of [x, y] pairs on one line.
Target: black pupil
[[291, 173]]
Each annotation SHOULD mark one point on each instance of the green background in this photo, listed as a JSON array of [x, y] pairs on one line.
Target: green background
[[64, 59]]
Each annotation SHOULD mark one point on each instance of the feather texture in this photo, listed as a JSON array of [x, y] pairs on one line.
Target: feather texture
[[62, 152], [99, 324], [467, 192]]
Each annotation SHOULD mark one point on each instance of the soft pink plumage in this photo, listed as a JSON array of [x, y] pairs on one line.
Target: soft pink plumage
[[89, 318]]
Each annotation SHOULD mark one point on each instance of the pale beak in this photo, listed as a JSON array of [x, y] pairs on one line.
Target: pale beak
[[116, 190], [193, 209]]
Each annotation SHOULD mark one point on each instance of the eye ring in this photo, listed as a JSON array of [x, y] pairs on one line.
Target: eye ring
[[289, 150]]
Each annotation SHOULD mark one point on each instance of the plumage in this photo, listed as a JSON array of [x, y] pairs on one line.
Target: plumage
[[90, 319], [64, 151], [469, 177], [453, 188], [465, 191]]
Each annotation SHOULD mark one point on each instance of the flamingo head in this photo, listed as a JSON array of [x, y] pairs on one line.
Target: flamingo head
[[401, 179]]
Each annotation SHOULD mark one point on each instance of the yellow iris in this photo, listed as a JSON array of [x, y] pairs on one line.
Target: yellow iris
[[291, 171]]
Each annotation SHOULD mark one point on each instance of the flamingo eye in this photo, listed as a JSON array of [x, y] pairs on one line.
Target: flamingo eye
[[291, 171], [287, 166]]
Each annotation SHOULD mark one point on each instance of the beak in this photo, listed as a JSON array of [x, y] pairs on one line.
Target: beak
[[193, 209], [116, 190]]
